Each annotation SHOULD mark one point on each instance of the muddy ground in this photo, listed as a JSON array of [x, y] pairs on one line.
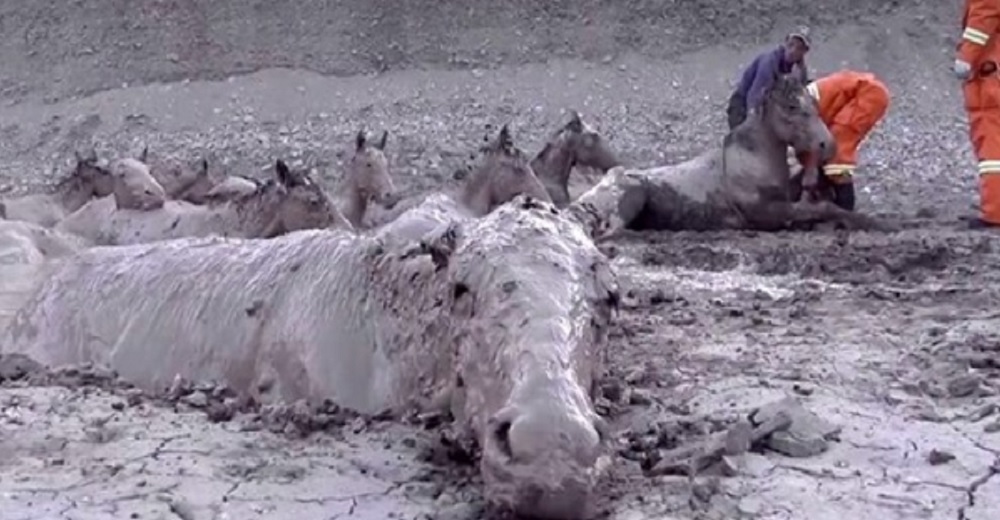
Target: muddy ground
[[891, 337]]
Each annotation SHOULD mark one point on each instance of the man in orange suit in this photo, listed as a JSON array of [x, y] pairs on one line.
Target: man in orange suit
[[976, 64], [851, 103]]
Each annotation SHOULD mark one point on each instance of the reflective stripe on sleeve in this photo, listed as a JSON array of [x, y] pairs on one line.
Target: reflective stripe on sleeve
[[989, 167], [839, 169], [975, 36], [813, 90]]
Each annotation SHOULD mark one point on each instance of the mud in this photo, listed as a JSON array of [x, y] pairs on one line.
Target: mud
[[890, 337]]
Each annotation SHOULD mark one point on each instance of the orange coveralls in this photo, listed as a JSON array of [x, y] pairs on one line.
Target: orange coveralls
[[850, 103], [980, 48]]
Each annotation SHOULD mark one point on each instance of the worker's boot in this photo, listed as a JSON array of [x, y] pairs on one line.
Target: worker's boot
[[843, 195]]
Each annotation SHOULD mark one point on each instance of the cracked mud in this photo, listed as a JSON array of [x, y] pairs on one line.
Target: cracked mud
[[889, 343]]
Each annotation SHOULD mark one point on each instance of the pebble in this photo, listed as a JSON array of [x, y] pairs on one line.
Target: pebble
[[196, 399], [963, 385], [937, 457], [640, 397], [795, 445]]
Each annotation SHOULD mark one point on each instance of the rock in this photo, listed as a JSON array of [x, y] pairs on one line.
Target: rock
[[794, 445], [219, 412], [705, 490], [802, 389], [993, 427], [17, 366], [755, 465], [938, 457], [196, 399], [612, 389], [133, 397], [983, 412], [963, 385], [739, 438], [729, 466], [804, 422], [805, 437], [460, 512], [639, 397]]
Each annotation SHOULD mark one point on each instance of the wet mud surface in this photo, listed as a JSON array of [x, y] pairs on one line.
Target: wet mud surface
[[890, 342], [887, 340]]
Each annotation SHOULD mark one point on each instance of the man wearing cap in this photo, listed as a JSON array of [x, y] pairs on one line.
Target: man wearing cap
[[788, 58], [976, 64]]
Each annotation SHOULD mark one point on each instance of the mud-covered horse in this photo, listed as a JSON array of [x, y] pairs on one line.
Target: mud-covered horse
[[291, 201], [501, 172], [503, 319], [574, 144], [91, 178], [744, 184]]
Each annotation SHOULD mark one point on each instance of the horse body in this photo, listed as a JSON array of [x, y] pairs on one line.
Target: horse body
[[746, 184], [89, 179], [290, 202], [506, 314], [26, 254]]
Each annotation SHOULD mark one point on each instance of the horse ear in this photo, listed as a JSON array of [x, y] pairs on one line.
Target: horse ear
[[381, 142], [575, 123], [144, 154], [283, 174], [504, 139], [360, 140]]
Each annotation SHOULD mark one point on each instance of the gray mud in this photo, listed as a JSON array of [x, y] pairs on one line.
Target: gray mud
[[890, 337]]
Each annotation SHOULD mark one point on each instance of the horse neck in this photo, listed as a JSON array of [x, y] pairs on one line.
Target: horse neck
[[472, 189], [763, 138], [69, 194], [554, 163], [252, 215], [355, 205]]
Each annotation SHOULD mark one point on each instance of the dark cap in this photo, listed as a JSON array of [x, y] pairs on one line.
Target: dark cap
[[802, 33]]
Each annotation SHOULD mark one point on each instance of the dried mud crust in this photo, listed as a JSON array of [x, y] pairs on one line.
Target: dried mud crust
[[892, 338], [78, 442], [888, 342]]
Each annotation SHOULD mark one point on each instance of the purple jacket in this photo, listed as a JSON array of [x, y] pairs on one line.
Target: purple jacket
[[760, 75]]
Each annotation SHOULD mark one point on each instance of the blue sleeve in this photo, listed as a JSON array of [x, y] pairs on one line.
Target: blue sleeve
[[767, 71]]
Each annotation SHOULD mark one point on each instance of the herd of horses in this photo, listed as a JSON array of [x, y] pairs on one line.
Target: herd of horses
[[144, 199], [493, 303]]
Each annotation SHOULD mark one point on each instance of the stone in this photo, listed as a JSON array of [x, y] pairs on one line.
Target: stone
[[793, 445], [738, 438], [938, 457], [963, 386], [729, 466], [993, 427], [639, 397], [196, 399], [17, 366], [805, 424], [755, 465]]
